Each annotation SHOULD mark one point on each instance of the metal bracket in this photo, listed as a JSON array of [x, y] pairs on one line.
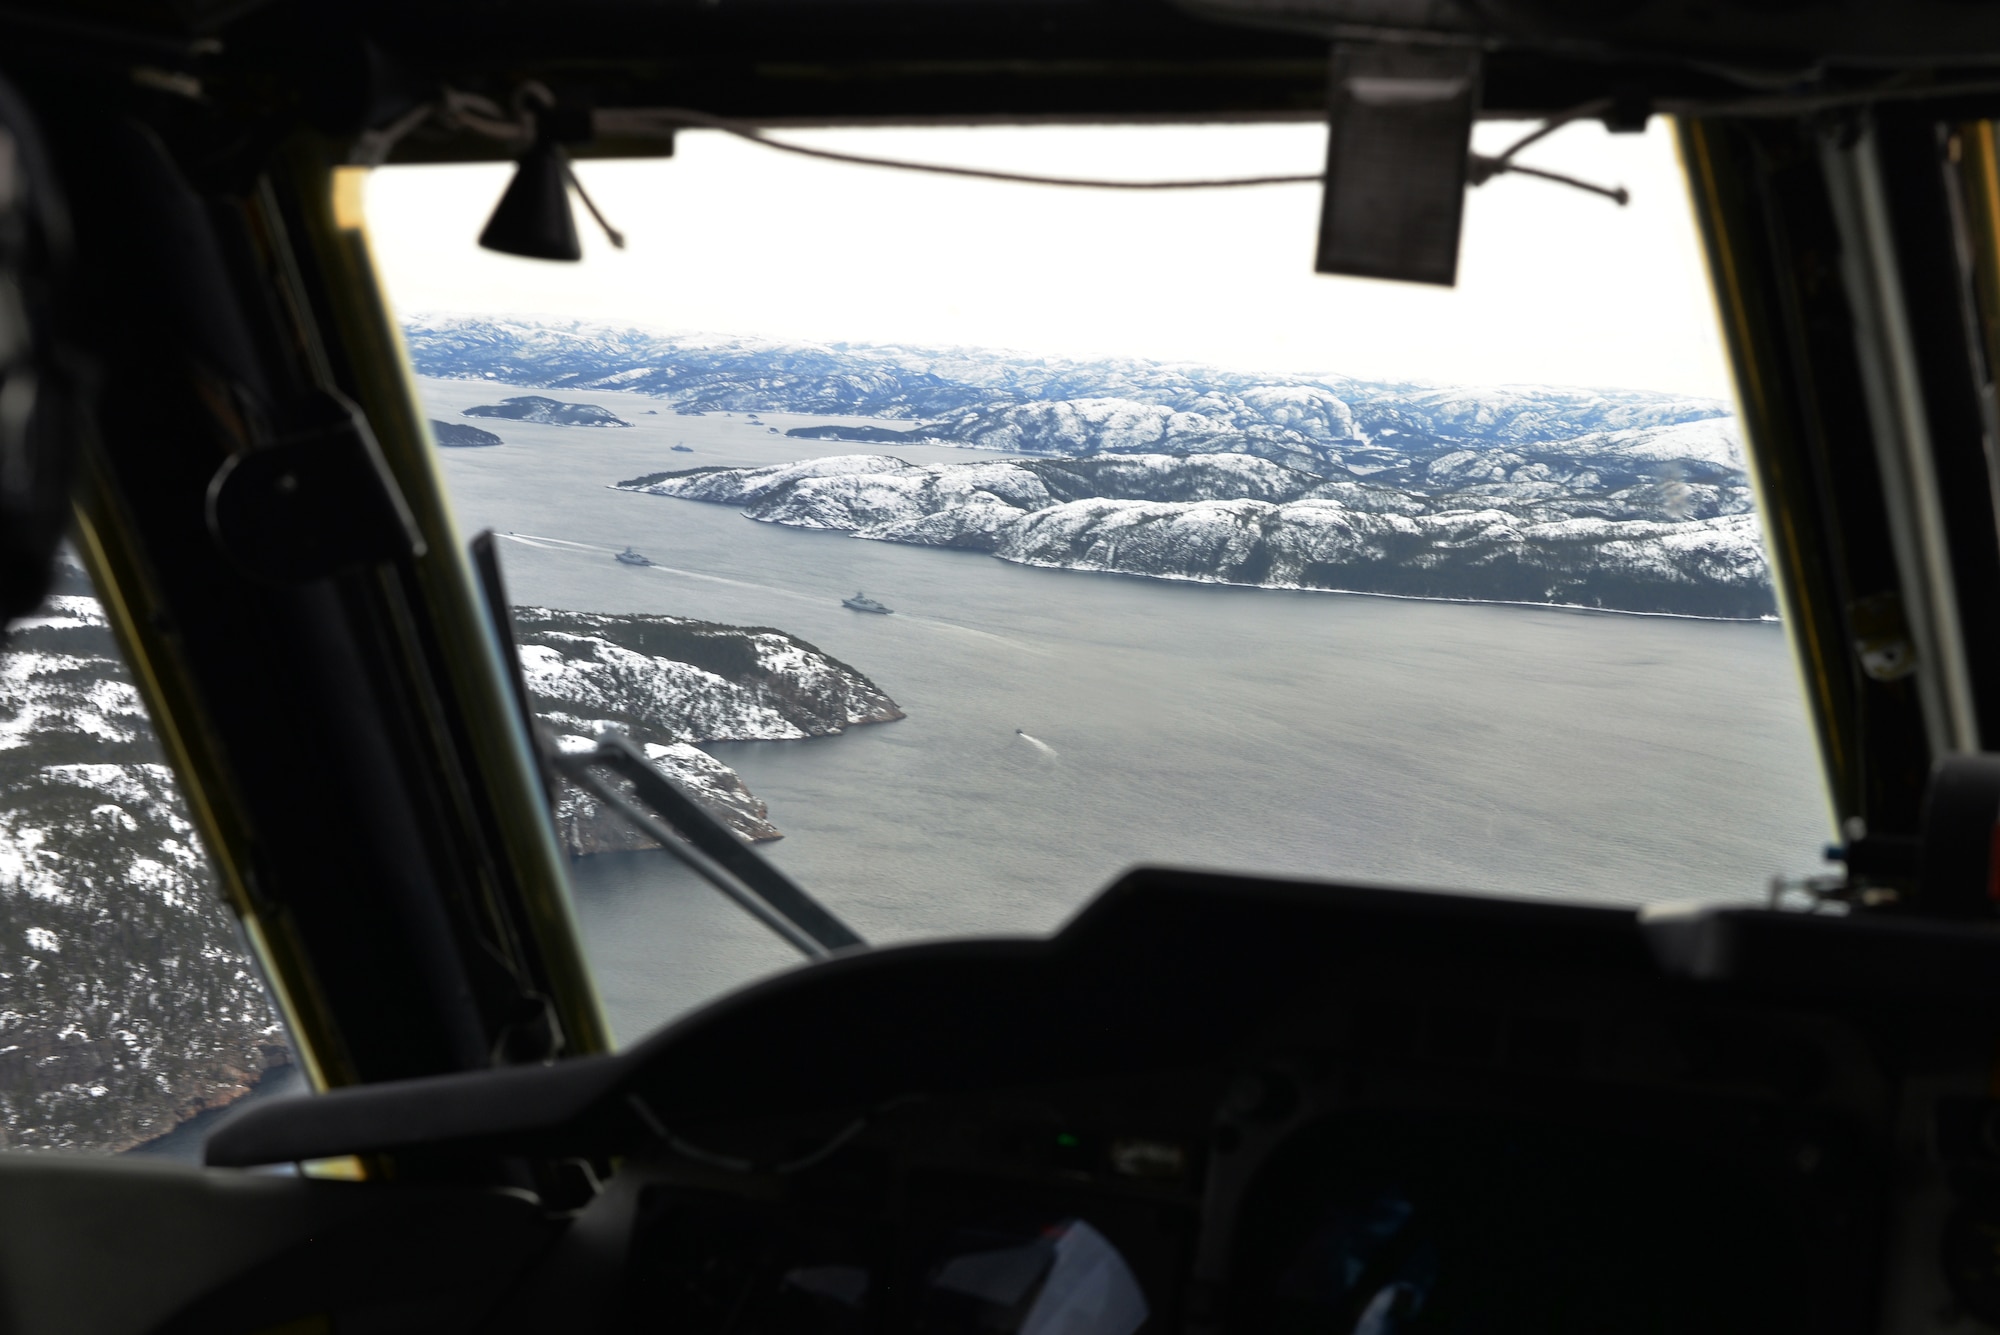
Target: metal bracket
[[312, 503], [1399, 140], [705, 845]]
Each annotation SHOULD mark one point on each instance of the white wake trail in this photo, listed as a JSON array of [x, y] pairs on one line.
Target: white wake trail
[[1037, 743], [933, 624], [559, 544], [954, 628]]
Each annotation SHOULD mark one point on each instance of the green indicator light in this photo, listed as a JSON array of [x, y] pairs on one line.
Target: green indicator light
[[1067, 1141]]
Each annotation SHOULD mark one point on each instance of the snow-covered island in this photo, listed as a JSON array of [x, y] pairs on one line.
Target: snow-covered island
[[1614, 499], [549, 412], [670, 682]]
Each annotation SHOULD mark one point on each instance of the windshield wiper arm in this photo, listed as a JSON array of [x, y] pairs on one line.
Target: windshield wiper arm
[[709, 848]]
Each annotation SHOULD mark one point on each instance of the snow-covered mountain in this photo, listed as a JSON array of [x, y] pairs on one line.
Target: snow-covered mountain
[[126, 1001], [1494, 526], [668, 682], [1034, 405], [1616, 499]]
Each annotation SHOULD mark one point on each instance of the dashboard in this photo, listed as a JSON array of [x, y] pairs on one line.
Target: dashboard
[[1216, 1104]]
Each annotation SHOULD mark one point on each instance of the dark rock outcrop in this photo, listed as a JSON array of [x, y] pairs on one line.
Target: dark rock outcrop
[[459, 435]]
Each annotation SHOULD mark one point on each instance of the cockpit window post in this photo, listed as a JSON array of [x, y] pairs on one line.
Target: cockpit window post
[[327, 206]]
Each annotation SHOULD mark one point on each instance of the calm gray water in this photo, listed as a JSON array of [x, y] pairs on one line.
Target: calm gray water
[[1503, 749]]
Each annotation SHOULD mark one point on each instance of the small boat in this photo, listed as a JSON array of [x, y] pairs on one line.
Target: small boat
[[861, 602], [631, 558]]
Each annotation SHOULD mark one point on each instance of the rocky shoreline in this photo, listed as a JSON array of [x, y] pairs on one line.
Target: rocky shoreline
[[670, 683]]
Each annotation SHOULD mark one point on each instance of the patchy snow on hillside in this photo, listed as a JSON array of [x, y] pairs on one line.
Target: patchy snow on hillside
[[127, 1003], [1491, 525], [1128, 430], [669, 683]]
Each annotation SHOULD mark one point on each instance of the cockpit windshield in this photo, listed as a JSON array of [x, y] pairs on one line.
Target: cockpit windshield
[[963, 543], [960, 544]]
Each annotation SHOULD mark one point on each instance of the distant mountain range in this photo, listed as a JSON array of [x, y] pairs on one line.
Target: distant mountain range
[[1038, 405], [1615, 499]]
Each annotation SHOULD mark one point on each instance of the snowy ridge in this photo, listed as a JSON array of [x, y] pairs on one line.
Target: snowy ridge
[[1516, 414], [1007, 401], [678, 700], [1490, 526]]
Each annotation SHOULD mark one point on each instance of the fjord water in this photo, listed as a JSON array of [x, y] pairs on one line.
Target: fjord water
[[1064, 726]]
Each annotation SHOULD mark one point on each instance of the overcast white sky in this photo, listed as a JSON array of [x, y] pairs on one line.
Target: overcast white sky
[[1555, 286]]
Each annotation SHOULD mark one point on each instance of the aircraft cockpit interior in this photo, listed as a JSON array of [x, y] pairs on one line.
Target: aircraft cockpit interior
[[1211, 1093]]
